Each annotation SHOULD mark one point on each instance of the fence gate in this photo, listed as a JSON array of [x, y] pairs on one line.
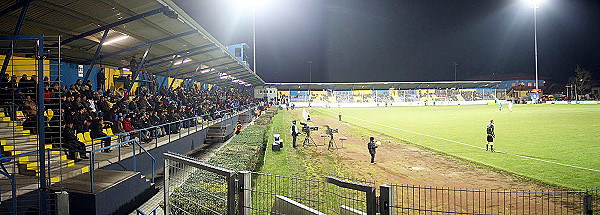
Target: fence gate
[[193, 187]]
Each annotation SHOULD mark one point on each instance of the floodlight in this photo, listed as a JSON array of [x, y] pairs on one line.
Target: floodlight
[[116, 39], [533, 3], [252, 3], [183, 61], [207, 70]]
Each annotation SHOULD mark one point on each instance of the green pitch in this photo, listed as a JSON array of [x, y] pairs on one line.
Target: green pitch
[[554, 144]]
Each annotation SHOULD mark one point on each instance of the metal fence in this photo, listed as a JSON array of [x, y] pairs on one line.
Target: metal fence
[[416, 199], [193, 187], [23, 136]]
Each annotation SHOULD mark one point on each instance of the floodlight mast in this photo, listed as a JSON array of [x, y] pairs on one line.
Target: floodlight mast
[[535, 4]]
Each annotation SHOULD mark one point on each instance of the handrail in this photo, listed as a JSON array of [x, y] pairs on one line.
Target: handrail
[[246, 107], [153, 211], [92, 152], [165, 124]]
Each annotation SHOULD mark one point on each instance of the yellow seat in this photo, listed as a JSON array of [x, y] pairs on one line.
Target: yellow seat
[[109, 132], [50, 114], [87, 137], [80, 137], [2, 114], [21, 116]]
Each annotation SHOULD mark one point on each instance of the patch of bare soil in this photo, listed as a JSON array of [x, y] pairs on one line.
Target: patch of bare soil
[[402, 163]]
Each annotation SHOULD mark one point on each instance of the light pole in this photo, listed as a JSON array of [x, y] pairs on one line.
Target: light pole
[[455, 64], [254, 37], [535, 4]]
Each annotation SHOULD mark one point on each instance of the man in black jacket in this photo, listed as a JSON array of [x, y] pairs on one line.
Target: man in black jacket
[[96, 132], [372, 146], [72, 143]]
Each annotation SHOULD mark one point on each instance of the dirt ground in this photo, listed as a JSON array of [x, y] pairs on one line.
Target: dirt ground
[[402, 163]]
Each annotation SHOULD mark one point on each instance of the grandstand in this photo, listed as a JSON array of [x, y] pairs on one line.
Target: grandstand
[[117, 92], [388, 93]]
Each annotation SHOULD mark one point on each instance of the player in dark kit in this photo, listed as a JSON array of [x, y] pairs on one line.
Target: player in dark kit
[[490, 136]]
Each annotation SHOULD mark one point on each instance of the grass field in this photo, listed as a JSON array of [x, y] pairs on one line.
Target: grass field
[[554, 144]]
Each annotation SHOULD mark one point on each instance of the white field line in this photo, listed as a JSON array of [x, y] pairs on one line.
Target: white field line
[[454, 141]]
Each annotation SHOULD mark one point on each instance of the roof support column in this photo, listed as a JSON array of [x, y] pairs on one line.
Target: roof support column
[[194, 75], [87, 74], [167, 75], [16, 32], [177, 73], [139, 67]]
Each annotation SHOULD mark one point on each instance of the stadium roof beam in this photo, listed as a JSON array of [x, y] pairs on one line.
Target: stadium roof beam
[[114, 24], [203, 62], [177, 73], [189, 55], [16, 6], [180, 52], [217, 66], [167, 75], [24, 6], [87, 74], [135, 75], [145, 44]]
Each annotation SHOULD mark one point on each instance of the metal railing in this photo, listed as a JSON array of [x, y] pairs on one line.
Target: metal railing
[[152, 212], [92, 165], [219, 117], [417, 199], [192, 187], [217, 186]]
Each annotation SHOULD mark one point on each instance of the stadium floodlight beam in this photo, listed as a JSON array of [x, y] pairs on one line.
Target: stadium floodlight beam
[[253, 4], [535, 4]]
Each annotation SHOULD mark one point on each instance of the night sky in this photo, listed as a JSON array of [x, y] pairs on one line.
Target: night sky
[[400, 40]]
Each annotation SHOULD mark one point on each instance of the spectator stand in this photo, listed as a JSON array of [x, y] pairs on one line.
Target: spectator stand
[[35, 154]]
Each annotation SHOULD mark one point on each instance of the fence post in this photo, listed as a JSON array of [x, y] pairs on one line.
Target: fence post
[[386, 199], [371, 201], [587, 204], [232, 189], [245, 197], [166, 185]]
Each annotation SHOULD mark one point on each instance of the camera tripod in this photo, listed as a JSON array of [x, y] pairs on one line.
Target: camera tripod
[[332, 144], [308, 140]]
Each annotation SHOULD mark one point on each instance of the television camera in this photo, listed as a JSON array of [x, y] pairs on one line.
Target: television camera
[[306, 129]]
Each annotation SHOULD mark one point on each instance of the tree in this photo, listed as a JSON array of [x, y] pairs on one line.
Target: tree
[[582, 80]]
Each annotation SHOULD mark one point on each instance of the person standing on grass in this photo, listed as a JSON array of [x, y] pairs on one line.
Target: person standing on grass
[[372, 146], [510, 105], [490, 136], [294, 132]]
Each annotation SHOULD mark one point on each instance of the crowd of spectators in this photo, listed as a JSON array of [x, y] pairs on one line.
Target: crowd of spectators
[[78, 109]]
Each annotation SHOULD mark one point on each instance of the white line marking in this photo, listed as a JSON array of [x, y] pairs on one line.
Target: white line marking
[[454, 141]]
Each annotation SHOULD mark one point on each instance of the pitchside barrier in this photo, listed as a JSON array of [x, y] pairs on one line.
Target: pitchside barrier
[[194, 187], [389, 104]]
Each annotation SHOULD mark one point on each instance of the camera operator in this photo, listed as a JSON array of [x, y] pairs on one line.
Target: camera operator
[[294, 132]]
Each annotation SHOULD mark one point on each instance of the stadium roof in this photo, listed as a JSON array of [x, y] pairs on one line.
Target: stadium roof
[[133, 26], [384, 85]]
